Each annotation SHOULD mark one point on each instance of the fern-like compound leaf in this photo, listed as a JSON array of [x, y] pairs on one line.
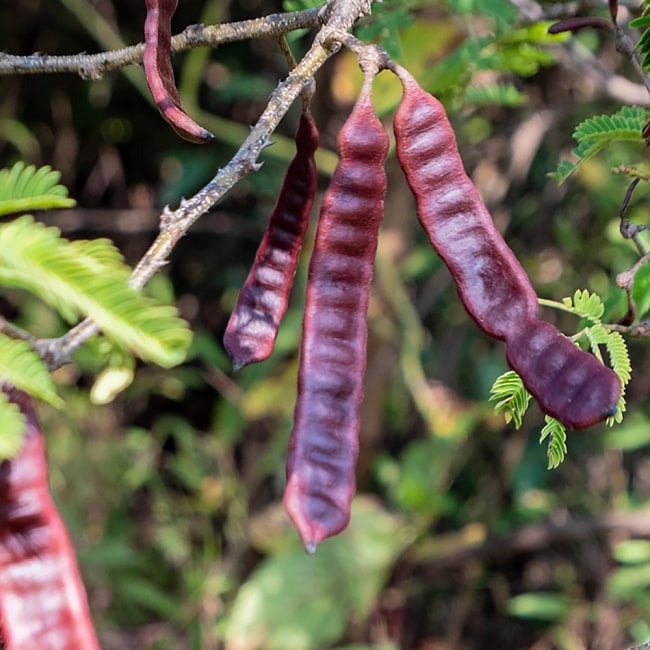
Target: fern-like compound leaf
[[622, 125], [498, 94], [25, 188], [595, 133], [88, 279], [597, 335], [619, 356], [586, 305], [620, 360], [21, 367], [511, 397], [643, 46], [557, 449]]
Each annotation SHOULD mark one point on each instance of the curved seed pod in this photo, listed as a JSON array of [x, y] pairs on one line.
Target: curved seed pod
[[42, 599], [254, 322], [576, 23], [571, 385], [324, 443], [490, 280], [159, 72]]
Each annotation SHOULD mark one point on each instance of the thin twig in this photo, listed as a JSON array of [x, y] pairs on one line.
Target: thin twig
[[640, 329], [93, 66]]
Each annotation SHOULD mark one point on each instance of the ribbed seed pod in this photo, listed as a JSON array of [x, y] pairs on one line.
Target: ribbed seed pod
[[42, 599], [490, 280], [254, 322], [323, 448], [569, 384]]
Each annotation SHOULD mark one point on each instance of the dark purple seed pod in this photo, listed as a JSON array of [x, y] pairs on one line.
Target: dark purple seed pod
[[159, 73], [324, 443], [253, 325], [490, 280], [576, 23], [570, 385]]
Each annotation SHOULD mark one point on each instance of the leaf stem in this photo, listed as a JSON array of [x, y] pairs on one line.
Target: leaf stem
[[560, 306]]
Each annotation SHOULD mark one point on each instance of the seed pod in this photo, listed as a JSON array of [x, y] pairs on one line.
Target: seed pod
[[159, 73], [569, 384], [254, 322], [324, 443], [576, 23], [490, 280], [42, 599]]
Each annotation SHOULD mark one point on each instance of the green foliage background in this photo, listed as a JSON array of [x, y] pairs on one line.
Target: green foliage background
[[460, 537]]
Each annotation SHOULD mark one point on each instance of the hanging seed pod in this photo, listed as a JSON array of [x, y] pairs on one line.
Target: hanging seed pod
[[160, 74], [42, 598], [255, 320], [324, 442]]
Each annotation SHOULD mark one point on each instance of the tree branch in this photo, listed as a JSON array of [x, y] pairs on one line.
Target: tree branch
[[93, 66]]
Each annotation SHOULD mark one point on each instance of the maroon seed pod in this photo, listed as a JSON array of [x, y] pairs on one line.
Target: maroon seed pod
[[490, 280], [159, 73], [42, 598], [570, 385], [324, 442], [262, 303]]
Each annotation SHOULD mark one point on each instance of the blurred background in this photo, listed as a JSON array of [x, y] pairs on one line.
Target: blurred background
[[460, 537]]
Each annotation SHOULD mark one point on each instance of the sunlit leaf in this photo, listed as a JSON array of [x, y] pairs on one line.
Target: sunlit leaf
[[26, 188], [89, 279]]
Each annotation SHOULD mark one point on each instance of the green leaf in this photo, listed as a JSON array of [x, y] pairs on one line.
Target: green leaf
[[503, 12], [619, 359], [619, 356], [597, 335], [148, 595], [24, 369], [626, 580], [25, 188], [596, 133], [384, 26], [586, 305], [642, 23], [13, 427], [511, 397], [110, 383], [299, 601], [543, 606], [495, 94], [633, 434], [632, 551], [89, 279], [557, 449]]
